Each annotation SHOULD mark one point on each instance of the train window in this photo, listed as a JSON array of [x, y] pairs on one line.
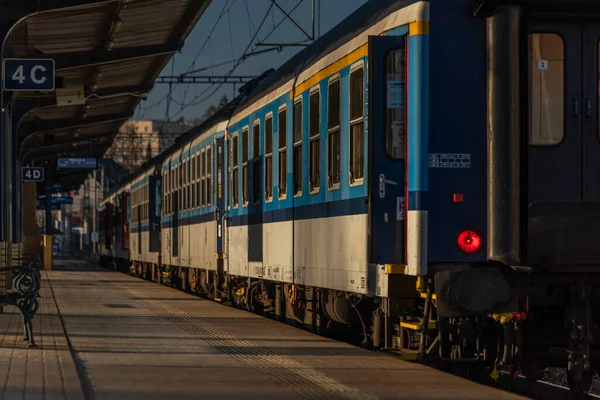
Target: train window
[[190, 185], [218, 183], [357, 125], [193, 167], [166, 193], [188, 193], [198, 180], [199, 170], [203, 177], [244, 166], [269, 158], [235, 181], [395, 137], [184, 185], [245, 145], [256, 139], [181, 186], [282, 161], [333, 129], [546, 89], [298, 147], [229, 177], [163, 192], [193, 182], [314, 114], [209, 191], [256, 186], [178, 184]]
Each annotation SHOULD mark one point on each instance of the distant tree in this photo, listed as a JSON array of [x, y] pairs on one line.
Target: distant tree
[[129, 149], [224, 101], [212, 110], [181, 120]]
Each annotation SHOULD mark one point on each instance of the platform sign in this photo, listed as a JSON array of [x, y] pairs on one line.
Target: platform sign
[[76, 163], [28, 74], [56, 188], [32, 174], [61, 200]]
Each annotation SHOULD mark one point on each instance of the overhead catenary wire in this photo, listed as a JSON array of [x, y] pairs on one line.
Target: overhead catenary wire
[[197, 101], [223, 10], [212, 89]]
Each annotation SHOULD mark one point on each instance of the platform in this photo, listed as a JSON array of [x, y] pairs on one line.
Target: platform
[[131, 339]]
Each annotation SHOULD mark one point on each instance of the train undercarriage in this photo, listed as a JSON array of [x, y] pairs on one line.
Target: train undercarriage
[[519, 322], [536, 320]]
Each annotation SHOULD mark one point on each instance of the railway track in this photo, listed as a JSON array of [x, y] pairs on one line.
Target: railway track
[[540, 390]]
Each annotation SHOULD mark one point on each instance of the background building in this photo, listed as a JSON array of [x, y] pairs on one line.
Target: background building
[[139, 141]]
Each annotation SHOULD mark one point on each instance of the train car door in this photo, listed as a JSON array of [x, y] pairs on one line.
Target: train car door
[[108, 225], [255, 205], [219, 155], [175, 219], [387, 148], [564, 144], [155, 192], [126, 218], [138, 211], [117, 224]]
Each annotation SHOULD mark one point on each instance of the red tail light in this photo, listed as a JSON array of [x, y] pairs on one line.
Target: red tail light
[[469, 241]]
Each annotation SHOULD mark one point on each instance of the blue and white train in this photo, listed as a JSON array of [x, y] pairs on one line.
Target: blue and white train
[[395, 172]]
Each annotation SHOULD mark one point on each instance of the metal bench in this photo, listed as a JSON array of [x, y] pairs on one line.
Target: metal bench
[[26, 283]]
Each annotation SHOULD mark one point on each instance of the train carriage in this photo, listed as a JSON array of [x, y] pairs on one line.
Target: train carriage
[[144, 219], [304, 205], [114, 225], [104, 230]]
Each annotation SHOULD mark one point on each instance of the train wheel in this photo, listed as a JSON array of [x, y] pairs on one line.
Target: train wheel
[[583, 385]]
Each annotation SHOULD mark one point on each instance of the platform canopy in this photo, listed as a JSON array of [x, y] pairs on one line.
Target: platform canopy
[[107, 55]]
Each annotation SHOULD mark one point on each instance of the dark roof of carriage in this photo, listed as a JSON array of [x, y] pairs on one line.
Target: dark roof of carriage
[[362, 19]]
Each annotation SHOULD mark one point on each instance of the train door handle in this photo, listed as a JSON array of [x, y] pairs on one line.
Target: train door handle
[[386, 181], [575, 107], [588, 107], [382, 183]]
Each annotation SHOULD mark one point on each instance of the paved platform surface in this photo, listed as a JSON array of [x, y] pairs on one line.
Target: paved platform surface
[[131, 339]]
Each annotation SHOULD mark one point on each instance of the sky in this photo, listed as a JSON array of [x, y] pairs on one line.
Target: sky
[[233, 23]]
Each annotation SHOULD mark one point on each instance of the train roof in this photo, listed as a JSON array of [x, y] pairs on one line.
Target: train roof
[[358, 22]]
